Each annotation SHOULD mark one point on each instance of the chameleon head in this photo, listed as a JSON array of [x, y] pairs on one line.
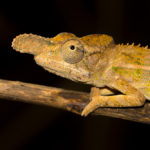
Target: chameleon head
[[65, 58], [72, 57], [66, 54]]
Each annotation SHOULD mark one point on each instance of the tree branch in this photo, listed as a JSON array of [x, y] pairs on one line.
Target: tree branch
[[69, 100]]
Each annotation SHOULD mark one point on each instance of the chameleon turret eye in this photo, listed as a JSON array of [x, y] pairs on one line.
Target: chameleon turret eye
[[72, 51]]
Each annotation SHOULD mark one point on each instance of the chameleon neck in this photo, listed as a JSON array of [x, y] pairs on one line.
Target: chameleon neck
[[106, 59]]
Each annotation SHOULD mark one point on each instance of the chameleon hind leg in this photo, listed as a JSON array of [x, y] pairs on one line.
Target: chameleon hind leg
[[131, 97]]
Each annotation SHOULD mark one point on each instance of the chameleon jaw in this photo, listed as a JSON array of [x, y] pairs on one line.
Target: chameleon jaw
[[64, 69]]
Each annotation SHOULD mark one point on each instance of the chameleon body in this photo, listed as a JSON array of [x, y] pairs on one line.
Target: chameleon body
[[96, 60]]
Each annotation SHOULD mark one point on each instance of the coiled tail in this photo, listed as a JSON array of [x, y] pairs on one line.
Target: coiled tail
[[30, 43]]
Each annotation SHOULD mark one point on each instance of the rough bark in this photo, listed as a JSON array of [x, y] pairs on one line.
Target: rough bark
[[65, 99]]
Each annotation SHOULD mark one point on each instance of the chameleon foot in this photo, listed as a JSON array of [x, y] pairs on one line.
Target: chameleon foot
[[94, 104]]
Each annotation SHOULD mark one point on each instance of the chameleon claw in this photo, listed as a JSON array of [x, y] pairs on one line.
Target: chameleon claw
[[85, 112], [93, 105]]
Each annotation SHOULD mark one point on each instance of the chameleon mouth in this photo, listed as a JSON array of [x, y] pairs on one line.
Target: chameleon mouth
[[63, 69], [68, 71]]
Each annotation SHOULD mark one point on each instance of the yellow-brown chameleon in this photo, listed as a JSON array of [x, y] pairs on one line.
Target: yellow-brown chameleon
[[96, 60]]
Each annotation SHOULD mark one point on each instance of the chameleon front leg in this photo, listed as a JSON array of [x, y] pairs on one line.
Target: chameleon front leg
[[130, 97]]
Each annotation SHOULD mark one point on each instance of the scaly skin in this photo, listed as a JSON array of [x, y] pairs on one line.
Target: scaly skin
[[97, 60]]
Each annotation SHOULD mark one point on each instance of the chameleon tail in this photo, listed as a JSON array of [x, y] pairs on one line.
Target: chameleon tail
[[29, 43]]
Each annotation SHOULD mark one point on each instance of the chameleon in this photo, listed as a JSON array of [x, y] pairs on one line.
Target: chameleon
[[119, 73]]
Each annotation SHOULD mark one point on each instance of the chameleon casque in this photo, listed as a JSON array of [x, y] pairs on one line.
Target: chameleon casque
[[96, 60]]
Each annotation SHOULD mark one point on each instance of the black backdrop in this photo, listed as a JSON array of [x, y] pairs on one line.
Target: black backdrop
[[27, 126]]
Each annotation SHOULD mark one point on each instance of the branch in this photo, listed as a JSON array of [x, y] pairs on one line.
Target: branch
[[69, 100]]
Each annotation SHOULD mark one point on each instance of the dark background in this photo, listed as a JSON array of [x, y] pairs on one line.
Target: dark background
[[27, 126]]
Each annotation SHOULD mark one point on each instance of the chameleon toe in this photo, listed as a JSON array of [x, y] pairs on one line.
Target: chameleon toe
[[93, 105]]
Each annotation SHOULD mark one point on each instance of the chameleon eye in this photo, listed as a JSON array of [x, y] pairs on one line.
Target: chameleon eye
[[72, 47], [72, 51]]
